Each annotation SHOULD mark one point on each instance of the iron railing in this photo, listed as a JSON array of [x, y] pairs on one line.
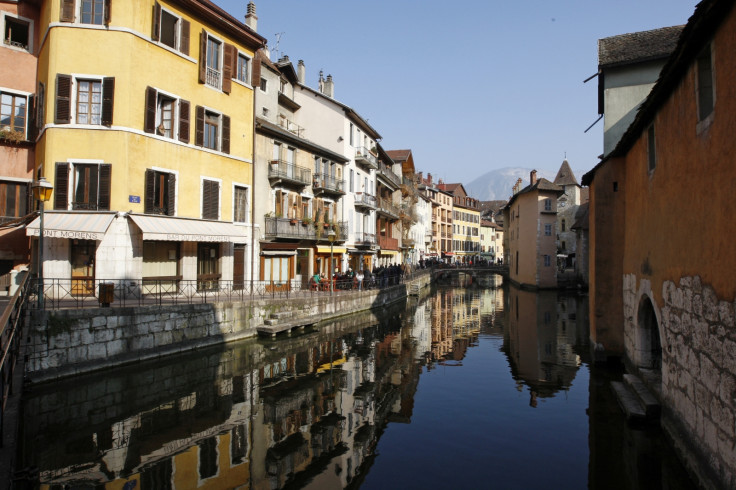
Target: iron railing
[[387, 207], [279, 169], [363, 199], [323, 182], [366, 157], [363, 239], [388, 174]]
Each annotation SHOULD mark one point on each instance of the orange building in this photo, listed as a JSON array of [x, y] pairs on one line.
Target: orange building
[[662, 258]]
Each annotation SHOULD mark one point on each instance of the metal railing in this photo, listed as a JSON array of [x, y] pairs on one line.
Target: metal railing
[[366, 157], [11, 330], [363, 239], [326, 183], [365, 200], [279, 169], [62, 294], [388, 243], [387, 207], [214, 78], [290, 228], [386, 172]]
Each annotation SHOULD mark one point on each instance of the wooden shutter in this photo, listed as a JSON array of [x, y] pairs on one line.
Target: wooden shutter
[[199, 126], [225, 134], [156, 32], [171, 204], [184, 121], [63, 99], [203, 56], [108, 12], [61, 186], [211, 199], [104, 183], [40, 99], [228, 64], [184, 40], [150, 191], [149, 120], [108, 100], [67, 11], [31, 126], [256, 70], [279, 208]]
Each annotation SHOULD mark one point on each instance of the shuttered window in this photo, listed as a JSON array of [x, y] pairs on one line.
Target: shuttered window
[[210, 199], [217, 62], [170, 29], [61, 186], [94, 100], [91, 187], [240, 204], [212, 130], [166, 116], [160, 195], [13, 200]]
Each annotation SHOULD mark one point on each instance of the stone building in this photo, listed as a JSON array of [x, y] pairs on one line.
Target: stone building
[[660, 296]]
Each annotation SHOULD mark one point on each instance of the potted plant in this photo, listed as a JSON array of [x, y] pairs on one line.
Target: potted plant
[[306, 221]]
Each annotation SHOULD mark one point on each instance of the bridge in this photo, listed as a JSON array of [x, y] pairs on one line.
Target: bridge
[[477, 273]]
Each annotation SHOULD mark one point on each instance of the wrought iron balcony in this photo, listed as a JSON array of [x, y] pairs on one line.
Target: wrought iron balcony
[[291, 126], [388, 243], [363, 156], [388, 176], [294, 229], [363, 239], [323, 183], [387, 208], [365, 201], [281, 171]]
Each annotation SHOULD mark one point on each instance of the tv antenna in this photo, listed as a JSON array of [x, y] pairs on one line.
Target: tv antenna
[[278, 41]]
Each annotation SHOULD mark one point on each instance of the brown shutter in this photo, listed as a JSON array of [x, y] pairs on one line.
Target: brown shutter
[[63, 99], [67, 11], [205, 198], [256, 71], [31, 126], [184, 41], [108, 100], [108, 12], [61, 186], [104, 183], [150, 191], [40, 99], [211, 199], [171, 204], [227, 67], [199, 126], [184, 121], [155, 34], [149, 121], [203, 56], [225, 134]]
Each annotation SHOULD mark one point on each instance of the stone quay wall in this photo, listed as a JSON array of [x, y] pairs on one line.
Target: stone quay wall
[[68, 342], [698, 387]]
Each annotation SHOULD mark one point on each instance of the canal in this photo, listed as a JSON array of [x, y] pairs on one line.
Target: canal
[[467, 388]]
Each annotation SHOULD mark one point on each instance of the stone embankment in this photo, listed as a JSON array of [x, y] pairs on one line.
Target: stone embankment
[[69, 342]]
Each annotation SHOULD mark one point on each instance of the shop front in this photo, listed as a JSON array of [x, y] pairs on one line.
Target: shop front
[[360, 260], [322, 260], [277, 265]]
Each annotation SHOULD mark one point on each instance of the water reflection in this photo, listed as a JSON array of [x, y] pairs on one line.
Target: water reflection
[[318, 410]]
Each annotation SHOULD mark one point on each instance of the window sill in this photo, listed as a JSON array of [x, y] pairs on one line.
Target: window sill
[[705, 124]]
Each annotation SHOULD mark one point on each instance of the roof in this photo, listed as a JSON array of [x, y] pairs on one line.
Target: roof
[[220, 17], [263, 126], [540, 185], [452, 188], [581, 217], [699, 30], [638, 47], [565, 175], [399, 156]]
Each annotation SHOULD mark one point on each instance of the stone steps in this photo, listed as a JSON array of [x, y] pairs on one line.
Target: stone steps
[[636, 400]]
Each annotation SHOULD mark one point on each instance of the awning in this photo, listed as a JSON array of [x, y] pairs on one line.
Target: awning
[[187, 230], [389, 252], [336, 250], [78, 225], [278, 253]]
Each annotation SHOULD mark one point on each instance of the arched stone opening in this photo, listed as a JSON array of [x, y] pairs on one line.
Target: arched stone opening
[[650, 344]]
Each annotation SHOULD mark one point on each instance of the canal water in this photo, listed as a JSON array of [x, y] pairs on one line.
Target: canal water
[[467, 388]]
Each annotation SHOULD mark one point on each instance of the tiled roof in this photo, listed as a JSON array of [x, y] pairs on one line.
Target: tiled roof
[[541, 184], [399, 156], [638, 46], [565, 175]]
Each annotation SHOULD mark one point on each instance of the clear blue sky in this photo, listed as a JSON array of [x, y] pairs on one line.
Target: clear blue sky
[[467, 85]]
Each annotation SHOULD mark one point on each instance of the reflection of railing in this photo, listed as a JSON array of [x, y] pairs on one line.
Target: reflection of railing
[[279, 169]]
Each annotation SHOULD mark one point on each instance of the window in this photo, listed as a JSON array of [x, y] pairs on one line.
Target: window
[[92, 100], [217, 62], [548, 204], [160, 197], [13, 200], [705, 83], [563, 225], [88, 183], [17, 32], [214, 75], [240, 204], [651, 149], [243, 70], [212, 130], [264, 84], [548, 229], [210, 199], [351, 134], [351, 180], [93, 11], [170, 29], [13, 114], [547, 261], [166, 115]]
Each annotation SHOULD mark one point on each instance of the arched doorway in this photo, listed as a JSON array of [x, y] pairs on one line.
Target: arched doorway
[[650, 344]]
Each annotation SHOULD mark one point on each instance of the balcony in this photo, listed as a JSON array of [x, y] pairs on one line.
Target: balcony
[[388, 243], [214, 78], [388, 176], [324, 184], [296, 229], [363, 156], [291, 127], [387, 207], [280, 171], [365, 201], [365, 239]]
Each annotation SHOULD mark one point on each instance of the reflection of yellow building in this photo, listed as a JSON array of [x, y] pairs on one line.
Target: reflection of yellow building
[[149, 150]]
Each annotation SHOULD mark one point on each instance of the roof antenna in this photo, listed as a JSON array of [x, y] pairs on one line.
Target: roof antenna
[[278, 40]]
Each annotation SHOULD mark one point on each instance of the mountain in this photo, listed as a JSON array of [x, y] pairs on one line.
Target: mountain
[[497, 184]]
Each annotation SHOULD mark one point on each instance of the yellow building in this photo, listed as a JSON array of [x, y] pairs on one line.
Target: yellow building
[[466, 224], [147, 138]]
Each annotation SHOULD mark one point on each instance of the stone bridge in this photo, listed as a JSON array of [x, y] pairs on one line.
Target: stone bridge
[[480, 275]]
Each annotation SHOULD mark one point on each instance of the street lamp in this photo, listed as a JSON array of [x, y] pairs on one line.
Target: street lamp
[[41, 193], [331, 237]]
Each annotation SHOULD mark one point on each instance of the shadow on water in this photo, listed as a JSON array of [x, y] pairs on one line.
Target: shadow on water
[[322, 409]]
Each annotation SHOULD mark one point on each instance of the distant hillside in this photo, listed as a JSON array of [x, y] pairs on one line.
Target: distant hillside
[[497, 184]]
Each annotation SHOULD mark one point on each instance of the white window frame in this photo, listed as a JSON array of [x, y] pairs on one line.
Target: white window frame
[[78, 11], [76, 78], [247, 81], [177, 29], [202, 178], [5, 15], [247, 203], [72, 177], [176, 111], [19, 93], [220, 61]]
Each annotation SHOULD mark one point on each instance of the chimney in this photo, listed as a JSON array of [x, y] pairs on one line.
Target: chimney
[[251, 19], [429, 178], [330, 87], [321, 83], [533, 177], [301, 71]]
